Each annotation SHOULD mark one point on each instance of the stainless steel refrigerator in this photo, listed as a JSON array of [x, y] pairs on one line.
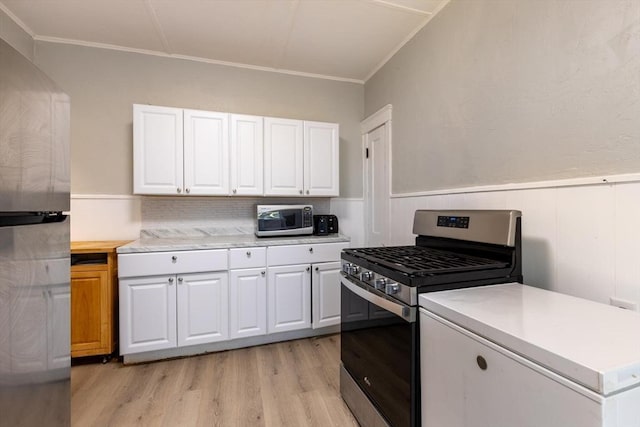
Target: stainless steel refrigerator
[[34, 246]]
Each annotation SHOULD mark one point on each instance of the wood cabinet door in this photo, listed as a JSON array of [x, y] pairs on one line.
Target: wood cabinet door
[[90, 296], [321, 159], [247, 155], [157, 150], [206, 153], [325, 294], [288, 298], [147, 314], [247, 302], [203, 308], [283, 157]]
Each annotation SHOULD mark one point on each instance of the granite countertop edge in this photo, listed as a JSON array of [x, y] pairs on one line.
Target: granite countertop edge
[[160, 244]]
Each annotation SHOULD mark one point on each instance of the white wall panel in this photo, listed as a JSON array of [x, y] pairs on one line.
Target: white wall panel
[[627, 241]]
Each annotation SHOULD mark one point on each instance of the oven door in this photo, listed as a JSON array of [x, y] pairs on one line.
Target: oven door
[[379, 351]]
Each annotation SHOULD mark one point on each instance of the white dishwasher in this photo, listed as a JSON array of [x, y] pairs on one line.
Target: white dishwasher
[[517, 356]]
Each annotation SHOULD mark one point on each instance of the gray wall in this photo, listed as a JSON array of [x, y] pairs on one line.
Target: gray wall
[[17, 38], [103, 85], [495, 91]]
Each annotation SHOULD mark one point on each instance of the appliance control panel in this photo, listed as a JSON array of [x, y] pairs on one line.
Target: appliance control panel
[[453, 221]]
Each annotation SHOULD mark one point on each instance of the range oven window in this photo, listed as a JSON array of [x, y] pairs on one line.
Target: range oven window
[[379, 350]]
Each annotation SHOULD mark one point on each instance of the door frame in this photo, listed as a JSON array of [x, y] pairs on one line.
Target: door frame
[[381, 117]]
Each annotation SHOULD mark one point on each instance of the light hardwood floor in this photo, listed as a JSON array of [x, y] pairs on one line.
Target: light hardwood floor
[[292, 383]]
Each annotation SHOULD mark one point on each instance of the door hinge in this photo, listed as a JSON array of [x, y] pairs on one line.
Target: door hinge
[[366, 156]]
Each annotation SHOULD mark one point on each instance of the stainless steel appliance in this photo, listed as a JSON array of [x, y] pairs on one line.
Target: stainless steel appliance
[[34, 246], [284, 220], [380, 378]]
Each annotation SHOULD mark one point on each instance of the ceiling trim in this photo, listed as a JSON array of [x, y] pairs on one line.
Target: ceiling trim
[[192, 58], [392, 5], [17, 20], [156, 24], [406, 40]]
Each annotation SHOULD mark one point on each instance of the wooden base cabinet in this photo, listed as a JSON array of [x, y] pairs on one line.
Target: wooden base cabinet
[[94, 292]]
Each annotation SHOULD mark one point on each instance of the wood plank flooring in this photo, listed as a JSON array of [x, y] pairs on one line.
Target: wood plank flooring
[[293, 383]]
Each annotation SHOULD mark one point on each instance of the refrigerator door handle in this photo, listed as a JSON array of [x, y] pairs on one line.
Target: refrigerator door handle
[[14, 219]]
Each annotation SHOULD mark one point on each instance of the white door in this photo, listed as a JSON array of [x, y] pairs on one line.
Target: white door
[[247, 302], [203, 304], [377, 187], [247, 158], [157, 150], [206, 153], [325, 297], [283, 157], [147, 314], [321, 159], [289, 298], [58, 327]]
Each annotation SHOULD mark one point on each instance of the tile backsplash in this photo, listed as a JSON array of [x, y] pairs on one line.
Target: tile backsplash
[[228, 215]]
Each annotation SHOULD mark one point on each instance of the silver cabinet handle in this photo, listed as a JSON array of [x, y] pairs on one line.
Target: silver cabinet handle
[[171, 280], [188, 190], [307, 191], [235, 191], [180, 280], [300, 191], [179, 190], [248, 254], [308, 268], [174, 258], [482, 363], [262, 273], [311, 250], [317, 268]]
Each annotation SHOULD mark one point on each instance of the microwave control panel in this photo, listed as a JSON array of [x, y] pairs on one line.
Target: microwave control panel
[[307, 217]]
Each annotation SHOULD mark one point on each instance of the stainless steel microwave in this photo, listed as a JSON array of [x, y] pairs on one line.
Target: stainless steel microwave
[[284, 220]]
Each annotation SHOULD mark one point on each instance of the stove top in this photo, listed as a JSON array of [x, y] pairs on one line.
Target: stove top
[[419, 261]]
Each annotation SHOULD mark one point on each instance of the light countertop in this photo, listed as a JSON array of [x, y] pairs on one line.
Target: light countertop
[[594, 344], [164, 244]]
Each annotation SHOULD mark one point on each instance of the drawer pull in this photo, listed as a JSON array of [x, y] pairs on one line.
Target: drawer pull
[[180, 280], [171, 280], [248, 254], [174, 258], [482, 363], [179, 190], [262, 273], [311, 250]]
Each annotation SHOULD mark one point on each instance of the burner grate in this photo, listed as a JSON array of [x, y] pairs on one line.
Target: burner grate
[[421, 261]]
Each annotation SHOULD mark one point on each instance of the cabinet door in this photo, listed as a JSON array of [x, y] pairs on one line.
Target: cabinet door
[[203, 303], [206, 153], [321, 159], [247, 302], [58, 330], [147, 314], [509, 391], [157, 150], [283, 157], [89, 312], [247, 159], [289, 298], [29, 330], [325, 297]]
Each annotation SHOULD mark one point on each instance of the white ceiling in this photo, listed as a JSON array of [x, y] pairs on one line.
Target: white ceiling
[[337, 39]]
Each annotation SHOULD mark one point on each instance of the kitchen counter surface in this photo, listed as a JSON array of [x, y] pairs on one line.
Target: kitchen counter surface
[[186, 243], [594, 344]]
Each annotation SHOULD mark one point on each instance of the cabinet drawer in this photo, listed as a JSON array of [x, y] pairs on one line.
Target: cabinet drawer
[[305, 254], [154, 263], [247, 257]]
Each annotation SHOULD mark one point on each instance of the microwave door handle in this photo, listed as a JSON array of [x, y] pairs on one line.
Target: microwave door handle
[[405, 312]]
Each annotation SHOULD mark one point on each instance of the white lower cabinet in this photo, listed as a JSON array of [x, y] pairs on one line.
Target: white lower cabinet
[[163, 312], [289, 298], [247, 302], [325, 294]]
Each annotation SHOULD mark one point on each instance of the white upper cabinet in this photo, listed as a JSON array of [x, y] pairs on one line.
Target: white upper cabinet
[[246, 155], [157, 150], [321, 159], [206, 153], [283, 157]]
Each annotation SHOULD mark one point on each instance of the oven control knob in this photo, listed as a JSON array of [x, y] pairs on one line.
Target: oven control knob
[[380, 283], [355, 270], [366, 275], [392, 288], [346, 267]]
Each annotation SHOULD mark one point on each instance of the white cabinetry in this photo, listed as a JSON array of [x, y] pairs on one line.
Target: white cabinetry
[[247, 155], [289, 298], [179, 307], [178, 151], [248, 292], [321, 159], [301, 158], [325, 294]]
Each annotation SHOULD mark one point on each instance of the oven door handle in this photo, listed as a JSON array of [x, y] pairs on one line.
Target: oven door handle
[[404, 311]]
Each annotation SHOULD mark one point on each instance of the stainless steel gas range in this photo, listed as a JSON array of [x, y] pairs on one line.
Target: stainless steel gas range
[[379, 377]]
